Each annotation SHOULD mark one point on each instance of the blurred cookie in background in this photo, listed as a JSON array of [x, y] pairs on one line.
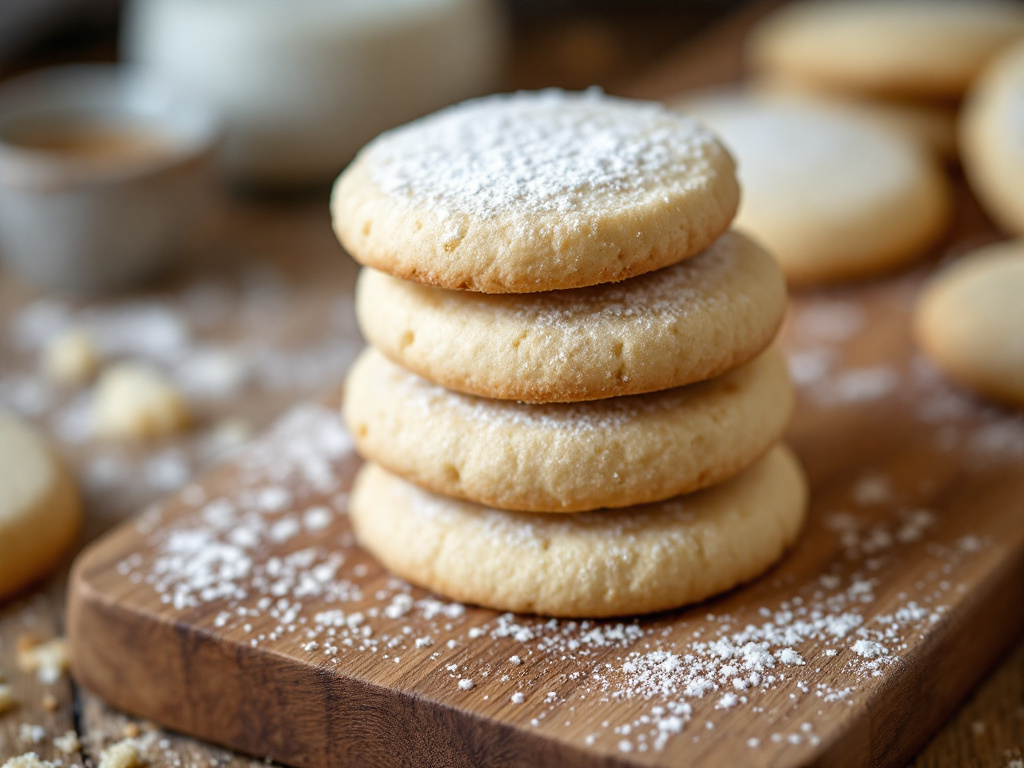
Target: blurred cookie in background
[[992, 140], [932, 124], [40, 511], [830, 193], [922, 49], [969, 321]]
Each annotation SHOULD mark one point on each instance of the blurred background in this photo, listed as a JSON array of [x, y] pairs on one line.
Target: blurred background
[[169, 280], [570, 43]]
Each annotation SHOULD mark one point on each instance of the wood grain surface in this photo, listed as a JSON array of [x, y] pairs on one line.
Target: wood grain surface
[[276, 260]]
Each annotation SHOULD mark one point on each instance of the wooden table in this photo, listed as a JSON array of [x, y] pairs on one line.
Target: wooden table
[[263, 301]]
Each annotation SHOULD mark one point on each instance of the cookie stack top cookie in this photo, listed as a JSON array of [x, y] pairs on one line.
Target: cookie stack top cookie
[[535, 191]]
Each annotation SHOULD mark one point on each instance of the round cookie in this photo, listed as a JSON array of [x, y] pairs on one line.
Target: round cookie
[[932, 125], [535, 191], [970, 318], [39, 506], [831, 195], [991, 144], [566, 457], [910, 48], [604, 563], [684, 323]]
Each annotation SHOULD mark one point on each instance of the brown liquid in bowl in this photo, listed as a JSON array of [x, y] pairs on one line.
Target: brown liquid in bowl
[[93, 143]]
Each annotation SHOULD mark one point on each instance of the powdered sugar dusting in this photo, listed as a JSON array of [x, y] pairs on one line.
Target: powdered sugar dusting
[[541, 152], [822, 328]]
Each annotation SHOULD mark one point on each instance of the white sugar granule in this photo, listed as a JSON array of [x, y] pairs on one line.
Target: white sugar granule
[[856, 385], [789, 656], [317, 518], [872, 489], [869, 649], [31, 733], [727, 701], [518, 698], [465, 684]]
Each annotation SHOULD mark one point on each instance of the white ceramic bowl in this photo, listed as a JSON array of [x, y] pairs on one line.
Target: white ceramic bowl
[[303, 84], [92, 222]]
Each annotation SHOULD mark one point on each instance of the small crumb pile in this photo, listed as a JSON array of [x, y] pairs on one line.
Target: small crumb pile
[[47, 660]]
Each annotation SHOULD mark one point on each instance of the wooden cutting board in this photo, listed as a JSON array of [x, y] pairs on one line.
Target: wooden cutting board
[[242, 612]]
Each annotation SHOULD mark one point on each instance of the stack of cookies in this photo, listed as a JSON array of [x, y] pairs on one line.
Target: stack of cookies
[[571, 405]]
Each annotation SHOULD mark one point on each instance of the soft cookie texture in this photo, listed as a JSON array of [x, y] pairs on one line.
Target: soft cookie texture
[[913, 48], [684, 323], [992, 140], [565, 457], [603, 563], [535, 191], [830, 194], [39, 506], [970, 321]]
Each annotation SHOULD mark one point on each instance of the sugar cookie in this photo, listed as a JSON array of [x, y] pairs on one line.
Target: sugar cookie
[[535, 192], [604, 563], [991, 143], [39, 506], [915, 48], [564, 457], [684, 323], [970, 321], [931, 125], [831, 195]]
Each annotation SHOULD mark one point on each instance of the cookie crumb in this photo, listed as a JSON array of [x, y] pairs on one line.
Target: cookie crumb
[[135, 400], [123, 754], [49, 702], [48, 660], [28, 760], [69, 743], [71, 358], [131, 730]]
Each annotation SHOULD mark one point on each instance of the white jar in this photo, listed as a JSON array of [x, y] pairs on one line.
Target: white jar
[[303, 84]]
